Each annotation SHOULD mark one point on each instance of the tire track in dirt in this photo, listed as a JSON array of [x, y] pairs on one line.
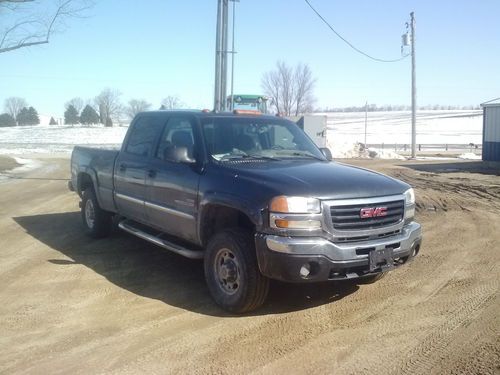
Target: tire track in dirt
[[446, 185], [435, 345], [475, 349]]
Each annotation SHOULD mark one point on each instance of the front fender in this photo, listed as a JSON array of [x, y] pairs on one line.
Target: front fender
[[229, 200]]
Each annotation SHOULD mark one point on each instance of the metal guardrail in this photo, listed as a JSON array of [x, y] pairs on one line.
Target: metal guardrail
[[429, 147]]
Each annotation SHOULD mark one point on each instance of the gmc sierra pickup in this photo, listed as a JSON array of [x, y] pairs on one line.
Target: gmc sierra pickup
[[249, 194]]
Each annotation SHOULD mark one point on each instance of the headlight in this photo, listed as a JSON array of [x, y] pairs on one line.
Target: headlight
[[409, 204], [300, 213], [295, 205]]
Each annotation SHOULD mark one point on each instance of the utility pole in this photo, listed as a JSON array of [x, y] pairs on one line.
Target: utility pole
[[218, 60], [413, 90], [232, 57], [221, 51], [223, 93]]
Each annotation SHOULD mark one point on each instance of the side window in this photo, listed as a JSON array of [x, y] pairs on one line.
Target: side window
[[177, 133], [142, 139]]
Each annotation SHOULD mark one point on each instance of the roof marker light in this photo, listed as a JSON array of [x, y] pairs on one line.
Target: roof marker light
[[246, 112]]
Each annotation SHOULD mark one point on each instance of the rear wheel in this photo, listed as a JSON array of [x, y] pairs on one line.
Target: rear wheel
[[232, 273], [97, 222]]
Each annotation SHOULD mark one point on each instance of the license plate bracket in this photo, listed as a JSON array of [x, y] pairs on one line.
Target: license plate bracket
[[381, 259]]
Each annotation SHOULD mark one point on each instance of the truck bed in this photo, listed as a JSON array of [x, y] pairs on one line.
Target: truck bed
[[99, 163]]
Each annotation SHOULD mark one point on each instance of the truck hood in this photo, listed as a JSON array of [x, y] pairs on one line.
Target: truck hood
[[324, 180]]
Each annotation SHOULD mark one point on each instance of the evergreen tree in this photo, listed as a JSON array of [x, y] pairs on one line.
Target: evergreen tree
[[23, 117], [52, 121], [7, 120], [89, 116], [33, 118], [71, 115]]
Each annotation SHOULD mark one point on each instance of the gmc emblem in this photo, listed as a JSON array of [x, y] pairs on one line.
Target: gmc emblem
[[369, 212]]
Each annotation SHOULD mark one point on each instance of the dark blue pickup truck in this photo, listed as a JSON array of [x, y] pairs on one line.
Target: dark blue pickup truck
[[249, 194]]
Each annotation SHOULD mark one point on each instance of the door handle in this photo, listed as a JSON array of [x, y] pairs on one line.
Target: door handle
[[123, 167], [152, 173]]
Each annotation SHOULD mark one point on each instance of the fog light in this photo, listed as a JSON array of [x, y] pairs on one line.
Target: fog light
[[305, 270]]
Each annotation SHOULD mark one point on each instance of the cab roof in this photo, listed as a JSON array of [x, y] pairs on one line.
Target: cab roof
[[205, 113]]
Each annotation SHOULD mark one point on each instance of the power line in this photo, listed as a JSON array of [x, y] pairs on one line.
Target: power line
[[347, 42]]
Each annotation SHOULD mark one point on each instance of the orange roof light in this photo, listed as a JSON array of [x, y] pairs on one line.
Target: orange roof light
[[246, 112]]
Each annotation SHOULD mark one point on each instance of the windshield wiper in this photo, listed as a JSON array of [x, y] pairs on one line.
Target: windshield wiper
[[302, 153], [257, 156], [247, 156]]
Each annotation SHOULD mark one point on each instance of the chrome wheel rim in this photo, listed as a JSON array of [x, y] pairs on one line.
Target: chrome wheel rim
[[227, 271], [89, 214]]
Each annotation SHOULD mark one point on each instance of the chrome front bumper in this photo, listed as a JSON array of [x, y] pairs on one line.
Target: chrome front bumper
[[282, 257]]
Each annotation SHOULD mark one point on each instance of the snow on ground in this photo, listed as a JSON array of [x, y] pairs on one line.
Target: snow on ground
[[346, 130], [345, 134], [21, 140], [469, 156], [438, 127], [25, 164]]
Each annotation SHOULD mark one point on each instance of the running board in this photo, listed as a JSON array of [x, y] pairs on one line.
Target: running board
[[192, 254]]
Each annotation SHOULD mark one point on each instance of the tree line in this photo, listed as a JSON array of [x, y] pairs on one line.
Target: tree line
[[389, 108], [18, 112], [106, 108]]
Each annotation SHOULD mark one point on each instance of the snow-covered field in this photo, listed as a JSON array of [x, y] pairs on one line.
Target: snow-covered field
[[345, 133], [346, 130], [44, 139]]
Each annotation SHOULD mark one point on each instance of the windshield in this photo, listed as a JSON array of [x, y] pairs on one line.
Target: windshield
[[234, 138]]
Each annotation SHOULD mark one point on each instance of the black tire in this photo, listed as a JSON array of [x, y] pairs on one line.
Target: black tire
[[231, 253], [97, 222]]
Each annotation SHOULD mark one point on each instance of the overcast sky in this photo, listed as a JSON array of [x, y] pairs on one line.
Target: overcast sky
[[155, 48]]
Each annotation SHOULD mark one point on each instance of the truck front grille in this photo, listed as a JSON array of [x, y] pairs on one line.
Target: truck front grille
[[348, 217]]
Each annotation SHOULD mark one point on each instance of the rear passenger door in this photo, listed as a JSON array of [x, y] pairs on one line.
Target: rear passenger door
[[171, 201], [132, 165]]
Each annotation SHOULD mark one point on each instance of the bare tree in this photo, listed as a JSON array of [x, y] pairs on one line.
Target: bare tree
[[33, 22], [110, 107], [291, 90], [171, 102], [13, 106], [135, 106], [271, 84], [76, 102], [304, 88]]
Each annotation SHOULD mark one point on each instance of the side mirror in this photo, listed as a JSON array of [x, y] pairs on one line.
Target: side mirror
[[179, 155], [328, 154]]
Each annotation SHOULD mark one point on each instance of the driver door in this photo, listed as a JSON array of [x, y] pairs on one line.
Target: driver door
[[172, 187]]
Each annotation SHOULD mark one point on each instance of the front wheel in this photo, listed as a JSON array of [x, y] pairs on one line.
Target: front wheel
[[97, 222], [232, 273]]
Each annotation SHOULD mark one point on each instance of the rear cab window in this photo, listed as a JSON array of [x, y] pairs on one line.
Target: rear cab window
[[144, 133]]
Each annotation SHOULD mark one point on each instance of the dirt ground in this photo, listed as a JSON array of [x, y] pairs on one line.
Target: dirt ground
[[7, 163], [69, 304]]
